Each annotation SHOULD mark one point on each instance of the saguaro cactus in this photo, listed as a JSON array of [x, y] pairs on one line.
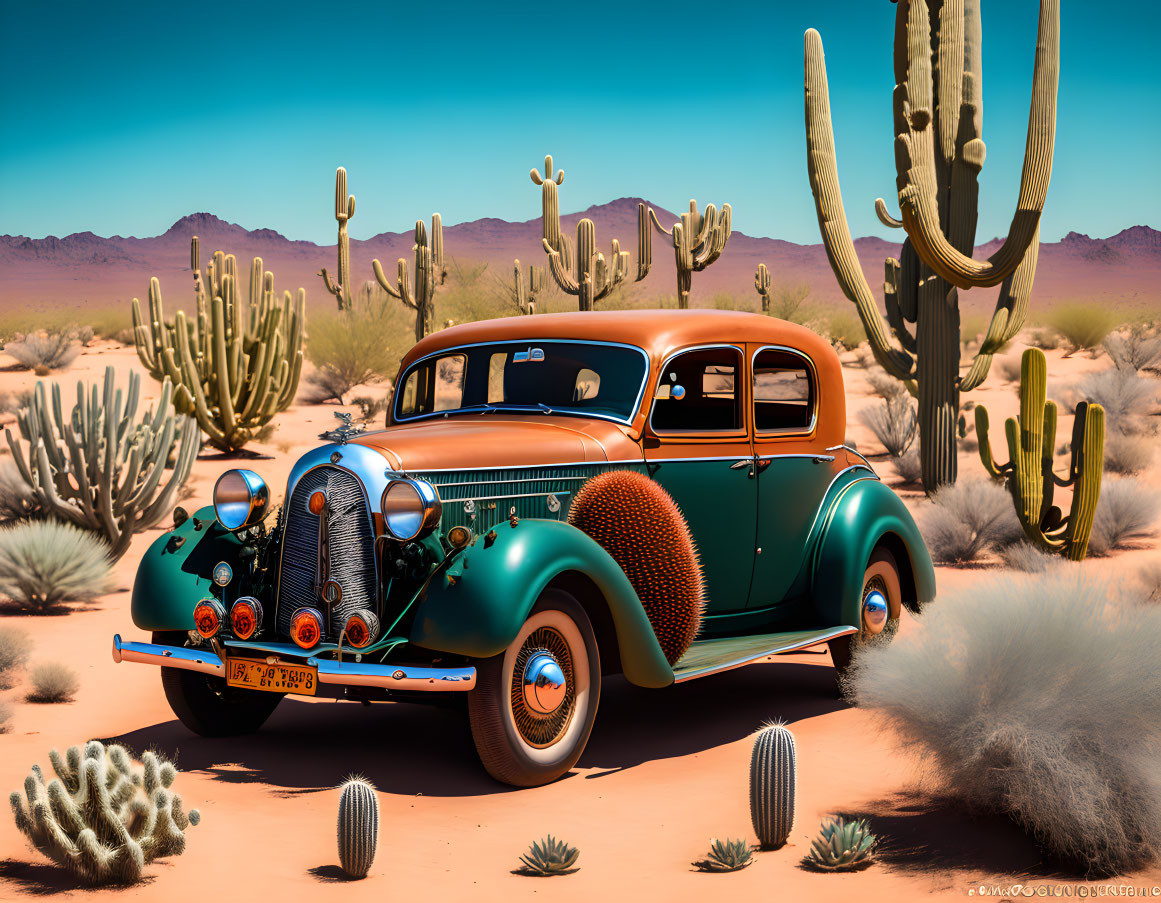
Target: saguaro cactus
[[762, 283], [344, 213], [773, 782], [698, 240], [939, 153], [430, 273], [358, 831], [527, 291], [100, 468], [1028, 473]]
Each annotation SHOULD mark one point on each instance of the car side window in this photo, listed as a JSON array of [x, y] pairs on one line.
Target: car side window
[[711, 400], [436, 385], [784, 392]]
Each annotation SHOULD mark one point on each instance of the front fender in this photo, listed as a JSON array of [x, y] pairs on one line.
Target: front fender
[[175, 572], [477, 606], [863, 513]]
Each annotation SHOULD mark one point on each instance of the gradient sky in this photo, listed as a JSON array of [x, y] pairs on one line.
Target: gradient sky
[[120, 118]]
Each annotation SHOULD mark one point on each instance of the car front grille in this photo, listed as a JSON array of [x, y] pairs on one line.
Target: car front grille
[[351, 554]]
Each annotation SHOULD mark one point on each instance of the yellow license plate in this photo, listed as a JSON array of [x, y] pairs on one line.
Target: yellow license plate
[[255, 674]]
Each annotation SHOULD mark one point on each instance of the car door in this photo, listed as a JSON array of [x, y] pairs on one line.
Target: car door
[[793, 473], [697, 445]]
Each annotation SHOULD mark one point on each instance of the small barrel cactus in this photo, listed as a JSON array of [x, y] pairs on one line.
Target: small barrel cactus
[[726, 856], [773, 779], [358, 827], [845, 846], [549, 857]]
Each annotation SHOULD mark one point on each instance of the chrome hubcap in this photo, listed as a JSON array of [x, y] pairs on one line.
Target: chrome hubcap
[[544, 683], [875, 610]]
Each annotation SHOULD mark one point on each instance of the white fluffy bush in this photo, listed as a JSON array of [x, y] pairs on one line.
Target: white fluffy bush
[[1039, 697], [45, 563], [967, 519], [1126, 512]]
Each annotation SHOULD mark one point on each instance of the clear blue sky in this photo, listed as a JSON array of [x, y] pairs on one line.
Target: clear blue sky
[[119, 118]]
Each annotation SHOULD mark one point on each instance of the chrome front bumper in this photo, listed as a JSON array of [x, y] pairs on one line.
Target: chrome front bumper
[[348, 673]]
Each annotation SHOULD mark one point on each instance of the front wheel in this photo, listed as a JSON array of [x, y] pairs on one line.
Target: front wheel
[[534, 704], [206, 705], [880, 577]]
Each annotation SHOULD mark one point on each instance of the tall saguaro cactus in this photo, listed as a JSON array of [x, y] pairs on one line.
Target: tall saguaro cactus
[[762, 283], [238, 364], [1029, 475], [698, 240], [430, 273], [344, 213], [939, 153]]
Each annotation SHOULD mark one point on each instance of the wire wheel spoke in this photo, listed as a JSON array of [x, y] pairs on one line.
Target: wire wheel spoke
[[537, 729]]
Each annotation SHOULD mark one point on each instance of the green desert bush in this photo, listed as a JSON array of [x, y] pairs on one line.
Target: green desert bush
[[967, 519], [726, 856], [45, 350], [1037, 697], [15, 647], [361, 345], [1126, 512], [844, 329], [893, 422], [53, 682], [44, 564], [1083, 327], [792, 303], [114, 323]]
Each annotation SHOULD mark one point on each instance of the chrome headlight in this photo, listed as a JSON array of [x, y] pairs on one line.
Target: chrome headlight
[[241, 499], [411, 508]]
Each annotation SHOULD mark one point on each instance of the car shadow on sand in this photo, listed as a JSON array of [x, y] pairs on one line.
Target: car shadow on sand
[[418, 749]]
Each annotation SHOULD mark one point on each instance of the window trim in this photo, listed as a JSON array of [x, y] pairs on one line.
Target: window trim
[[740, 384], [785, 431]]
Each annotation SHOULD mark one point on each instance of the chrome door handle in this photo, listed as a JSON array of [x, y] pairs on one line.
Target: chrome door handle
[[819, 459], [745, 462]]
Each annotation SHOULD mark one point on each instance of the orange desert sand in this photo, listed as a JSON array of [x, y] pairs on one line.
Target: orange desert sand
[[664, 772]]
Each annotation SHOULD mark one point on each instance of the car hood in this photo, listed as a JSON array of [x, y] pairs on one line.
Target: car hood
[[475, 441]]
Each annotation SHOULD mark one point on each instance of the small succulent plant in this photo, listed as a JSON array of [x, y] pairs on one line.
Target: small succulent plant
[[726, 856], [549, 857], [844, 846]]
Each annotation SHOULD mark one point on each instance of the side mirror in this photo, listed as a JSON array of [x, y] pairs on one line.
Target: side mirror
[[666, 392]]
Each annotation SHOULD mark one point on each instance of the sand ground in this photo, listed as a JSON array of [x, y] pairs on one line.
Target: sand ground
[[664, 772]]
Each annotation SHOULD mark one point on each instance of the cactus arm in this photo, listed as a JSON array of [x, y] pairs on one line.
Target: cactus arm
[[915, 153], [383, 281], [885, 217], [559, 273], [995, 471], [893, 287], [840, 248], [657, 224]]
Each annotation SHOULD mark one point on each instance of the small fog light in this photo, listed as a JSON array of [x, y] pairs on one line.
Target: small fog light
[[208, 617]]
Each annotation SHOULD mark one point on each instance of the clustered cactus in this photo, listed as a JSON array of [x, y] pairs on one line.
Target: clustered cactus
[[99, 467], [549, 857], [773, 782], [698, 240], [1028, 473], [101, 818], [358, 831], [726, 856], [939, 153], [238, 363], [843, 846]]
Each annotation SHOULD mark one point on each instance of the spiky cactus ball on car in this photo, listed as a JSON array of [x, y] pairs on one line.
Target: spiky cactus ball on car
[[637, 522]]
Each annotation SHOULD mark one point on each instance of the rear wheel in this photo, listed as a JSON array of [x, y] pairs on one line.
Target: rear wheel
[[206, 705], [880, 577], [534, 704]]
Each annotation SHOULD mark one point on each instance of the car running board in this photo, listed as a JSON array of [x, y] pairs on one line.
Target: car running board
[[713, 656]]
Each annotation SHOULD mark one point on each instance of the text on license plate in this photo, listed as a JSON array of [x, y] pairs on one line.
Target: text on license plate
[[280, 678]]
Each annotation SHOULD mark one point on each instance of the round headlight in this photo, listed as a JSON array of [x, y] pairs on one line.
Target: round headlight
[[241, 499], [411, 508]]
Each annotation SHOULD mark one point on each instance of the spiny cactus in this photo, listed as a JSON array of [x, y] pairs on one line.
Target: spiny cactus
[[698, 240], [1029, 474], [726, 856], [430, 273], [939, 155], [101, 817], [344, 213], [358, 826], [237, 364], [101, 468], [844, 846], [762, 283], [527, 291], [549, 857], [773, 782]]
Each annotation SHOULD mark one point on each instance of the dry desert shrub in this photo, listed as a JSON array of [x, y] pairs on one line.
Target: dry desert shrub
[[790, 302], [5, 716], [1008, 368], [1128, 454], [893, 422], [1126, 511], [114, 323], [15, 647], [908, 466], [1134, 349], [1023, 556], [1037, 697], [355, 347], [1083, 327], [967, 519], [844, 329], [53, 682], [1044, 338], [1149, 580], [884, 384], [17, 501], [1126, 397], [46, 563], [45, 350]]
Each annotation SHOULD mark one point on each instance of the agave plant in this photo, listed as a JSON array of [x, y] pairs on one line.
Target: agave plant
[[726, 856], [845, 846], [549, 857]]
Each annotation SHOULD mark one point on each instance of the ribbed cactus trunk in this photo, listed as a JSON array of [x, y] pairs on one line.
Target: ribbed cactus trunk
[[430, 273], [358, 831], [344, 213], [937, 375], [773, 784]]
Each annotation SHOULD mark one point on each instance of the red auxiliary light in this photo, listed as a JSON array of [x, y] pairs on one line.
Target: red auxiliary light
[[362, 629], [246, 617], [209, 616], [306, 627]]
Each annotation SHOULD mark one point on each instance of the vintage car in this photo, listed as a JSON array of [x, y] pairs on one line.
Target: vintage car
[[660, 494]]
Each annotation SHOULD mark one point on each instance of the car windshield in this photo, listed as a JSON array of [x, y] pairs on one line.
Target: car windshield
[[544, 376]]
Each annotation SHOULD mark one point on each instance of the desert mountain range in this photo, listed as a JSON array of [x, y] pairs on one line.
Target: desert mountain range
[[84, 270]]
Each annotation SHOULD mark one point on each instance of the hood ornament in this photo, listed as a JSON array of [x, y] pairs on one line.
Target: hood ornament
[[344, 431]]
